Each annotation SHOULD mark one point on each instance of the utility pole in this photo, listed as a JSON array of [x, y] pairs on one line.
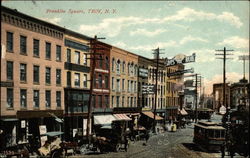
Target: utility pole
[[224, 73], [244, 58], [157, 52], [93, 44]]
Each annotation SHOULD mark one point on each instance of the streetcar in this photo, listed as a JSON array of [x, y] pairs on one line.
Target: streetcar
[[209, 135]]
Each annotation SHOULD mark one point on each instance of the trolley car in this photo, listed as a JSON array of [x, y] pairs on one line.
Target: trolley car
[[209, 135]]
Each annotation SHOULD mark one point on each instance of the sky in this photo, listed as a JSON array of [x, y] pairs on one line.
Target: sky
[[177, 27]]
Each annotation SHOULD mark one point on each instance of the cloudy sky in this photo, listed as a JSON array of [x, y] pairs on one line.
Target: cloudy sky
[[178, 27]]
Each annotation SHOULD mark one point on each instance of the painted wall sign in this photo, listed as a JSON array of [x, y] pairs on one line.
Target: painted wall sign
[[143, 72], [179, 59]]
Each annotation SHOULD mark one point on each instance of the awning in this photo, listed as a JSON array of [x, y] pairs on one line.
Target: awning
[[151, 115], [9, 119], [183, 112], [122, 117], [103, 119], [52, 134]]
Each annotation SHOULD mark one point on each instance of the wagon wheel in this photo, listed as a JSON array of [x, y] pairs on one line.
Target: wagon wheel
[[117, 147], [56, 154], [84, 149]]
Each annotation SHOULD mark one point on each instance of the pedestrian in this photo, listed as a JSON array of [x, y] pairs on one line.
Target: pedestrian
[[222, 150]]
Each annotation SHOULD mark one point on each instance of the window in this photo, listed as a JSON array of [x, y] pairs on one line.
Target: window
[[131, 102], [9, 70], [23, 98], [93, 100], [58, 52], [47, 75], [48, 99], [69, 79], [123, 84], [118, 67], [128, 86], [36, 74], [128, 101], [36, 47], [23, 44], [135, 89], [100, 101], [77, 57], [58, 76], [123, 99], [117, 101], [69, 55], [113, 84], [113, 64], [131, 86], [106, 82], [107, 63], [23, 71], [118, 85], [85, 59], [10, 41], [135, 71], [123, 66], [99, 81], [9, 98], [36, 98], [106, 97], [58, 98], [128, 68], [100, 61], [135, 102], [48, 50], [85, 80], [113, 101], [77, 79]]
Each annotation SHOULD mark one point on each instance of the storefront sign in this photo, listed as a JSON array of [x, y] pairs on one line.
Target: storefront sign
[[179, 59], [180, 72], [23, 124], [148, 89], [143, 72]]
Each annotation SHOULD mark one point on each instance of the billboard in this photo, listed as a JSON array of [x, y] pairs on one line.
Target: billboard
[[143, 72], [179, 59]]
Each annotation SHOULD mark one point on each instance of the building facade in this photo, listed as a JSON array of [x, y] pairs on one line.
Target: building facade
[[31, 75], [76, 81], [123, 78], [218, 96]]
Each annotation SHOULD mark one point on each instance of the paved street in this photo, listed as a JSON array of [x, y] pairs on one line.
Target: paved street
[[166, 145]]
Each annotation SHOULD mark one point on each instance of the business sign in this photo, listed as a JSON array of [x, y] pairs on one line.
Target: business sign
[[143, 72], [180, 72], [148, 89], [179, 59]]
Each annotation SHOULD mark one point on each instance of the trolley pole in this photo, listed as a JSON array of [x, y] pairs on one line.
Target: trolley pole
[[196, 97]]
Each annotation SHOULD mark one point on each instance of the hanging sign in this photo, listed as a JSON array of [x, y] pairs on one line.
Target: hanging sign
[[143, 72], [179, 59], [148, 89], [180, 72]]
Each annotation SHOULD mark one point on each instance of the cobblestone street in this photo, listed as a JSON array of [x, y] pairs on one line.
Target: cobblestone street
[[166, 145]]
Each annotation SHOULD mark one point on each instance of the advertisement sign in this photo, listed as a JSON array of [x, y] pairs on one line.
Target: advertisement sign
[[143, 72], [43, 130], [179, 59], [148, 89], [23, 124], [180, 72]]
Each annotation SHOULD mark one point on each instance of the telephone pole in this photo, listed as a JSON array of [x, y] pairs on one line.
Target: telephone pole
[[244, 58], [157, 53], [93, 53], [224, 54]]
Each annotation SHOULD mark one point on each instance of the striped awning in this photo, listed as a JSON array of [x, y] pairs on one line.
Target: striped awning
[[151, 115], [122, 117]]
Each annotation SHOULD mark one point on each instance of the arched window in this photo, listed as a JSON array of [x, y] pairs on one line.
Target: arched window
[[123, 66], [118, 66], [135, 72], [113, 64], [107, 63], [128, 68]]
